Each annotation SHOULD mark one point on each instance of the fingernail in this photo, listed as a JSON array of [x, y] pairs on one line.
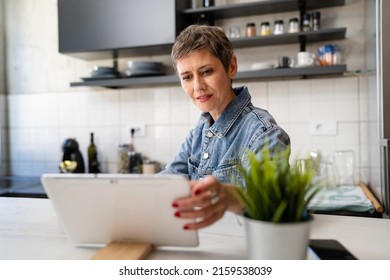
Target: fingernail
[[177, 214], [186, 227], [197, 192], [175, 205]]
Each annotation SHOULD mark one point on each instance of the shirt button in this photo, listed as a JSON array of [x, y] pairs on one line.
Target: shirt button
[[209, 134], [206, 155]]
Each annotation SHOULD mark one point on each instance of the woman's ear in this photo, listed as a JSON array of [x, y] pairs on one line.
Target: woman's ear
[[232, 71]]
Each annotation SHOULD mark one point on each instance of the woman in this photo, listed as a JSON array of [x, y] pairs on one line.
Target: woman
[[229, 126]]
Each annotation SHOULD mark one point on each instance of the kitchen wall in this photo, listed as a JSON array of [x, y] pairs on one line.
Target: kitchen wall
[[44, 110]]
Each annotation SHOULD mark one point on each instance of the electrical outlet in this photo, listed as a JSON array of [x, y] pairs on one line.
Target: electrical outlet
[[323, 128], [139, 129]]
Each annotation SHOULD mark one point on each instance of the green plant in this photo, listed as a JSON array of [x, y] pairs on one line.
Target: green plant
[[275, 191]]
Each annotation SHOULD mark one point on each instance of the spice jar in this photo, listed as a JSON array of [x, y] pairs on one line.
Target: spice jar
[[279, 27], [316, 20], [250, 29], [306, 22], [294, 25], [123, 158], [265, 28]]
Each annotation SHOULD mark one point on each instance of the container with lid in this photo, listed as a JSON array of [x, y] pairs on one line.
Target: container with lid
[[316, 20], [306, 22], [265, 28], [293, 25], [250, 29], [123, 158], [278, 27]]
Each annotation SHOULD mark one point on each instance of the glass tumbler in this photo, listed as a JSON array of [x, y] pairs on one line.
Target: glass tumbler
[[343, 162]]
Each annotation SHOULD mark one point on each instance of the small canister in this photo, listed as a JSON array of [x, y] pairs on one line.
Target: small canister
[[294, 25], [279, 27], [250, 29], [148, 167], [265, 29]]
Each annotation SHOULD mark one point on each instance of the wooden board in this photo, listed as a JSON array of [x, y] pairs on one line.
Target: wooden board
[[378, 207], [124, 251]]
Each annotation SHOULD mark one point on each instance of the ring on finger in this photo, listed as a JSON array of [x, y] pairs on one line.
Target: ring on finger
[[214, 197]]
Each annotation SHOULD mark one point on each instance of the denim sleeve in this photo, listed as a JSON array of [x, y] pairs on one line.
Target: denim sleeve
[[274, 138]]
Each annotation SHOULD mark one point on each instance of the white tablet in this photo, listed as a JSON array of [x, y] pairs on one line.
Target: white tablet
[[98, 209]]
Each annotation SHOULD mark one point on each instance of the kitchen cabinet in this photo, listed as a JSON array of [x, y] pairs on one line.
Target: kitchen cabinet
[[104, 29], [210, 14]]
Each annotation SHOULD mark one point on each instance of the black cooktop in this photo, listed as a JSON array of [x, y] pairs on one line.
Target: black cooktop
[[21, 186]]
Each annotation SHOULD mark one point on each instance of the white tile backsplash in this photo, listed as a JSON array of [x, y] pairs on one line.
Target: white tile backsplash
[[44, 110]]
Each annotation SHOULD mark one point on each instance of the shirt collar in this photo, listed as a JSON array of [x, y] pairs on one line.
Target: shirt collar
[[230, 114]]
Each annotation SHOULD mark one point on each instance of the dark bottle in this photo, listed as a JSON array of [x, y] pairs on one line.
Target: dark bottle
[[93, 164]]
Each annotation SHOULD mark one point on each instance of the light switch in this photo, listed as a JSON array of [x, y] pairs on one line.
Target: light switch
[[323, 127]]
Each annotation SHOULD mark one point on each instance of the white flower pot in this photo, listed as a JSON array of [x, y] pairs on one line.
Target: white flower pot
[[282, 241]]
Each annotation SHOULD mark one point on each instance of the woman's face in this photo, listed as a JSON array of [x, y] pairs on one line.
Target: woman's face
[[206, 81]]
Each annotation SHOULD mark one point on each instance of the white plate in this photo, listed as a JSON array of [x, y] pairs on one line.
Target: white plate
[[262, 66]]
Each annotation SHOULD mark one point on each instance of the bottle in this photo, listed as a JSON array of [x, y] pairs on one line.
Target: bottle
[[93, 164]]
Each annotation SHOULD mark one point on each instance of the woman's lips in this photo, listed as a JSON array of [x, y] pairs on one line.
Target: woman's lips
[[204, 98]]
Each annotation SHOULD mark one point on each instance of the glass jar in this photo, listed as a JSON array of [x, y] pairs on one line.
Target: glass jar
[[306, 22], [316, 20], [279, 27], [265, 28], [294, 25], [250, 29], [123, 158]]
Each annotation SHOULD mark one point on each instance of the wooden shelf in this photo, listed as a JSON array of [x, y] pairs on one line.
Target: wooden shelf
[[245, 75], [258, 8]]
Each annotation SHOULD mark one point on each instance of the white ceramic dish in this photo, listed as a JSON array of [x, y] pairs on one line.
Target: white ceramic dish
[[262, 66]]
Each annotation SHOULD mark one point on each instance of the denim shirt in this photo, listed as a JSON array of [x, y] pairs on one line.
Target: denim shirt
[[218, 148]]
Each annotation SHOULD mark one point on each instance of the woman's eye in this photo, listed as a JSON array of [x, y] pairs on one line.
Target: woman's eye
[[186, 78], [207, 72]]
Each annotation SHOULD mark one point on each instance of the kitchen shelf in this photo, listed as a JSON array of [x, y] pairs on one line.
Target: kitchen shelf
[[258, 8], [210, 14], [244, 75], [292, 72], [291, 38]]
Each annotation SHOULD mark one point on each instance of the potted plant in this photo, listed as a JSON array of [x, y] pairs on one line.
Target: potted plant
[[276, 195]]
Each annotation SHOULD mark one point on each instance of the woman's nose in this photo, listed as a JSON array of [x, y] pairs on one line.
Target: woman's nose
[[199, 83]]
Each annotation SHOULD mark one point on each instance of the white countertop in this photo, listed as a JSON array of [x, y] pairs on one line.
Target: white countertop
[[29, 229]]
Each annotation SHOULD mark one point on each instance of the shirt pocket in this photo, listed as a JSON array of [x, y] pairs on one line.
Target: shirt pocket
[[229, 173], [194, 172]]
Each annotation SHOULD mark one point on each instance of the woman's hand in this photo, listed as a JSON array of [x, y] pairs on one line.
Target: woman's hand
[[208, 202]]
